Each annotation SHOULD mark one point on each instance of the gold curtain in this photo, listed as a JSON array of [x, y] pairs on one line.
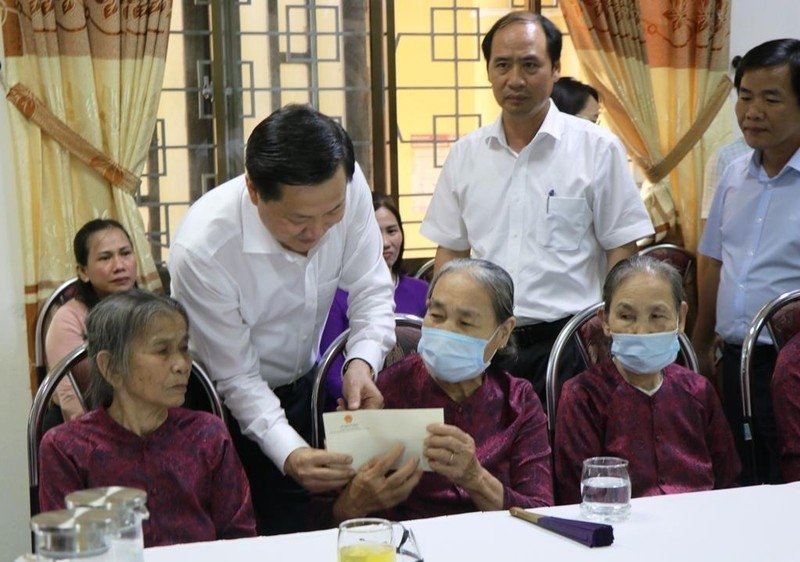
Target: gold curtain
[[660, 67], [91, 71]]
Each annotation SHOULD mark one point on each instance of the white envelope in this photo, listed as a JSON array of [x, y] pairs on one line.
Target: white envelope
[[364, 434]]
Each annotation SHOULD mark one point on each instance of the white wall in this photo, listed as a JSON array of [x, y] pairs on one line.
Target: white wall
[[756, 21], [15, 397]]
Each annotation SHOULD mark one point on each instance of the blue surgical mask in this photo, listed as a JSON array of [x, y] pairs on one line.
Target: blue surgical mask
[[452, 357], [645, 353]]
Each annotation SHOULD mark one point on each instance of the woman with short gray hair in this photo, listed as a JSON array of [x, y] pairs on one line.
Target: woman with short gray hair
[[137, 435], [664, 419], [492, 450]]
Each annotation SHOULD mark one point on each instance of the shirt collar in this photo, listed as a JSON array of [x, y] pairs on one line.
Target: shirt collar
[[757, 170], [256, 239], [552, 126]]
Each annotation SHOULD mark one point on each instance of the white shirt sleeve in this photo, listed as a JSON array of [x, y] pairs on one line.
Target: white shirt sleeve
[[620, 216], [444, 222], [366, 278], [219, 334]]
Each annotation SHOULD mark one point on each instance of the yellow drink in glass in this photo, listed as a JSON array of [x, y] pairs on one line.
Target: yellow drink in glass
[[367, 552]]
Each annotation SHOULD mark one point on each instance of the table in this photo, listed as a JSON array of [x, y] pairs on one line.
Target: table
[[737, 525]]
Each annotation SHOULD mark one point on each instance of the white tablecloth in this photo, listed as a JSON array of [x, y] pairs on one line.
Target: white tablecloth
[[746, 524]]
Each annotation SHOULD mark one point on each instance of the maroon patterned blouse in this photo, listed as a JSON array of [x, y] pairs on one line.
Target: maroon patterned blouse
[[505, 419], [786, 403], [675, 441], [196, 486]]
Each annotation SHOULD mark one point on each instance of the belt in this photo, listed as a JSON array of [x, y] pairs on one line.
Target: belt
[[286, 390], [533, 333]]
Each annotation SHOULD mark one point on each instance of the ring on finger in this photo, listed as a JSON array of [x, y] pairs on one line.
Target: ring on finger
[[452, 455]]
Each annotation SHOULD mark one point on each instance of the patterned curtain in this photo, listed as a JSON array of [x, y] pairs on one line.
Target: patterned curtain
[[660, 67], [84, 79]]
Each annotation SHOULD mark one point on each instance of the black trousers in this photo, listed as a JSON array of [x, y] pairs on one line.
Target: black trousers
[[534, 343], [280, 503], [765, 454]]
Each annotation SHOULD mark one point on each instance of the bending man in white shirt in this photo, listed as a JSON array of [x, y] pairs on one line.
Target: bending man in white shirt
[[256, 263]]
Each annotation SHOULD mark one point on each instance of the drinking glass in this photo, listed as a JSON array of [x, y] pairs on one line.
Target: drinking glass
[[605, 489], [371, 539], [366, 540]]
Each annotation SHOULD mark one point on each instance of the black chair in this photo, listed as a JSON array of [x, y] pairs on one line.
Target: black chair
[[586, 330], [781, 318], [408, 329], [199, 383], [62, 294]]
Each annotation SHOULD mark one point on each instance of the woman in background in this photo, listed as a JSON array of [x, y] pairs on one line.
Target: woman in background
[[409, 292], [576, 98], [106, 265]]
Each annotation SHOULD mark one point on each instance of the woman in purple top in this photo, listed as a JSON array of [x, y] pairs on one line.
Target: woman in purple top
[[492, 451], [409, 293], [666, 420], [138, 437]]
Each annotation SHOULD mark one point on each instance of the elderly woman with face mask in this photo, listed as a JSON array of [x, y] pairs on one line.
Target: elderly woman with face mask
[[492, 451], [138, 437], [664, 419]]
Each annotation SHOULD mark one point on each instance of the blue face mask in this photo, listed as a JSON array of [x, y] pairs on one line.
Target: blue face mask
[[452, 357], [645, 353]]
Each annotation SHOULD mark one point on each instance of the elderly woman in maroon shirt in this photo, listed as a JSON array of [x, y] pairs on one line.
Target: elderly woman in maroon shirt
[[138, 436], [492, 451], [666, 420]]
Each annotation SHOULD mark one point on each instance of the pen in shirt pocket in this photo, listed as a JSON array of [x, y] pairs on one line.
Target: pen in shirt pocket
[[550, 194]]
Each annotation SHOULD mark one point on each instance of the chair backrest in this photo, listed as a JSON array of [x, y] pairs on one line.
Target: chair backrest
[[781, 317], [61, 295], [686, 263], [425, 271], [586, 330], [198, 379], [408, 329]]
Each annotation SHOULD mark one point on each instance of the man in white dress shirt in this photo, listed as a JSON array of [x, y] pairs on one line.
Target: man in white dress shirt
[[547, 196], [256, 263]]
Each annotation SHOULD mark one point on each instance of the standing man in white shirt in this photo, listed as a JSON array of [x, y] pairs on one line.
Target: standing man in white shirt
[[256, 263], [547, 196]]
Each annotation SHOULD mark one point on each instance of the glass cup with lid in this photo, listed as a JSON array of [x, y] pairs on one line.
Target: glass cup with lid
[[129, 508], [69, 534]]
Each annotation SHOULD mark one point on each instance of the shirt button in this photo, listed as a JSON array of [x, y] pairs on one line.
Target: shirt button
[[759, 219], [304, 338], [741, 285], [750, 253]]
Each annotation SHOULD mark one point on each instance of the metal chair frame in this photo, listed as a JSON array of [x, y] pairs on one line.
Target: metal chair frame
[[424, 269], [761, 320], [40, 331], [320, 374], [571, 330], [45, 392]]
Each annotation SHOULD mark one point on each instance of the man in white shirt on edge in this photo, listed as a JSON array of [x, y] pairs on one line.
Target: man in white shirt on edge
[[256, 263], [547, 196]]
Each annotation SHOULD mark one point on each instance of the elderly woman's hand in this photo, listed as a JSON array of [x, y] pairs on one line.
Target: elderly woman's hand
[[374, 489], [451, 453]]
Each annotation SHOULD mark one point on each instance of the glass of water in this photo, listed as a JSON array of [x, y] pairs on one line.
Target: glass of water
[[605, 489]]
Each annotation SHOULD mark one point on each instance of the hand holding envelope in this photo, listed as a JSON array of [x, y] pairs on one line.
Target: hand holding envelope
[[365, 434]]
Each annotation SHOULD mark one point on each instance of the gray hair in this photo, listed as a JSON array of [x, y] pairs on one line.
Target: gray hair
[[114, 325], [497, 284], [636, 264]]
